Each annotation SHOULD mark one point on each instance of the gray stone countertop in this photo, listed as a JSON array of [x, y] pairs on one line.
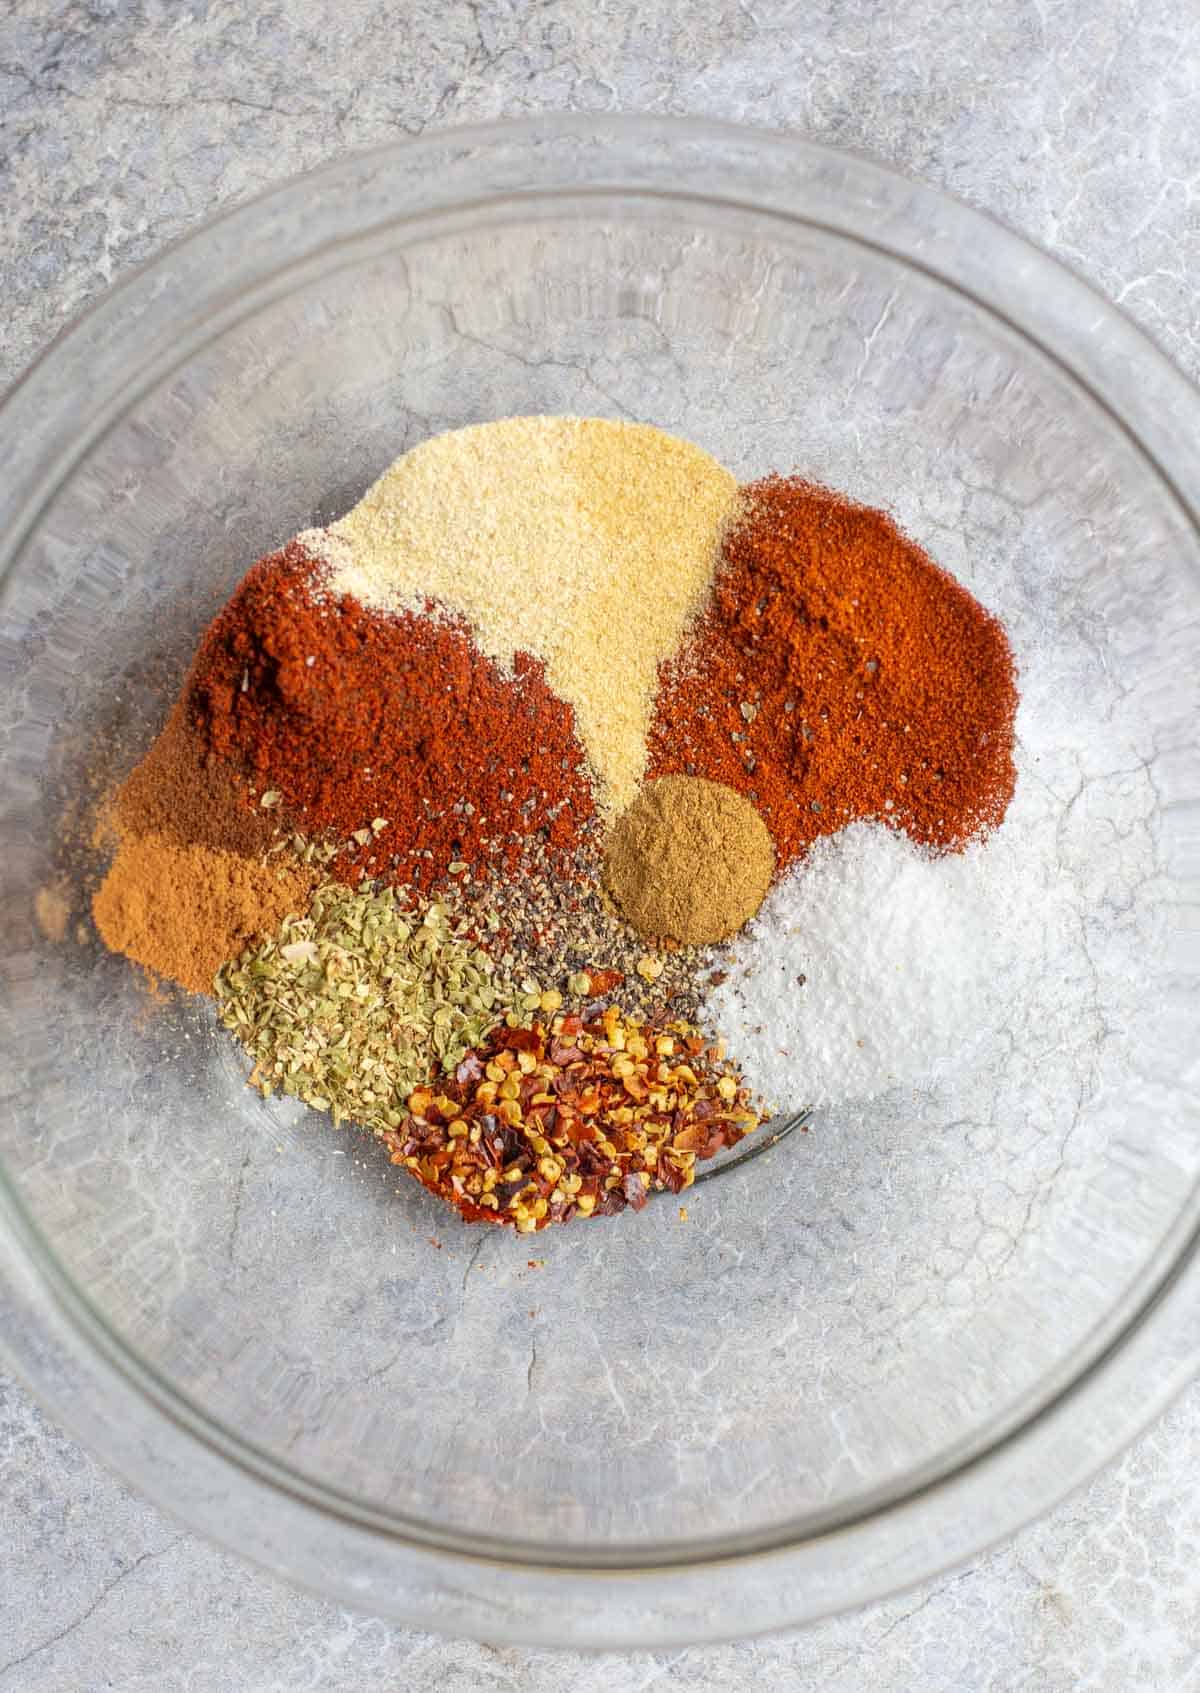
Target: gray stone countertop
[[123, 122]]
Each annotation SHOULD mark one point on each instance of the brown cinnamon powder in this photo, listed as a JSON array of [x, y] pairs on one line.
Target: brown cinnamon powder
[[182, 911], [191, 882], [184, 794]]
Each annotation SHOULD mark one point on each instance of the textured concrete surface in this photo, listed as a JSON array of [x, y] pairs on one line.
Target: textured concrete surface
[[122, 125]]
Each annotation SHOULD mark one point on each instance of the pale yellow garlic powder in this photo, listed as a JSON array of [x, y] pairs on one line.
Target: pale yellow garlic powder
[[590, 544]]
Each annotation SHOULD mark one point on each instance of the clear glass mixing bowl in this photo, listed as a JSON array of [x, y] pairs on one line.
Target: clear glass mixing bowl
[[863, 1356]]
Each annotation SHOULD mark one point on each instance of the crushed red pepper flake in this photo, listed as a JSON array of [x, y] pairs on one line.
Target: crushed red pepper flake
[[580, 1118]]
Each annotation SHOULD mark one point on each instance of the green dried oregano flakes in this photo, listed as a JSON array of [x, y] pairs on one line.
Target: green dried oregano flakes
[[355, 1004]]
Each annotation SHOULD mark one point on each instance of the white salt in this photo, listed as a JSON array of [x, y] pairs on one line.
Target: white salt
[[874, 963]]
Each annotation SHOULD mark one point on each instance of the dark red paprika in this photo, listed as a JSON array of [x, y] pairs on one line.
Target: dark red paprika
[[839, 673], [353, 716]]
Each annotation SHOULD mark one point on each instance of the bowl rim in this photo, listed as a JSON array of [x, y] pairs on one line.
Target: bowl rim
[[94, 1382]]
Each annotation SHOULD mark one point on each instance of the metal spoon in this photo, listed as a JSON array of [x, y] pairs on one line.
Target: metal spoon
[[756, 1147]]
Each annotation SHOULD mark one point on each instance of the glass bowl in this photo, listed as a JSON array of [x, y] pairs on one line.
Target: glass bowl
[[862, 1356]]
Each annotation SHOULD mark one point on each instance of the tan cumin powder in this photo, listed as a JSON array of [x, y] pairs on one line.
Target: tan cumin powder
[[589, 543], [690, 861]]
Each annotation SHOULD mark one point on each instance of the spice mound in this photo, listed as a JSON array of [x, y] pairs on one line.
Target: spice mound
[[180, 910], [393, 735], [352, 1006], [468, 804], [839, 673], [690, 861], [588, 543], [581, 1118]]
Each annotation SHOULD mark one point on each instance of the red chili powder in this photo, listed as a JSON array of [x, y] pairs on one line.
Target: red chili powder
[[351, 716], [839, 673]]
